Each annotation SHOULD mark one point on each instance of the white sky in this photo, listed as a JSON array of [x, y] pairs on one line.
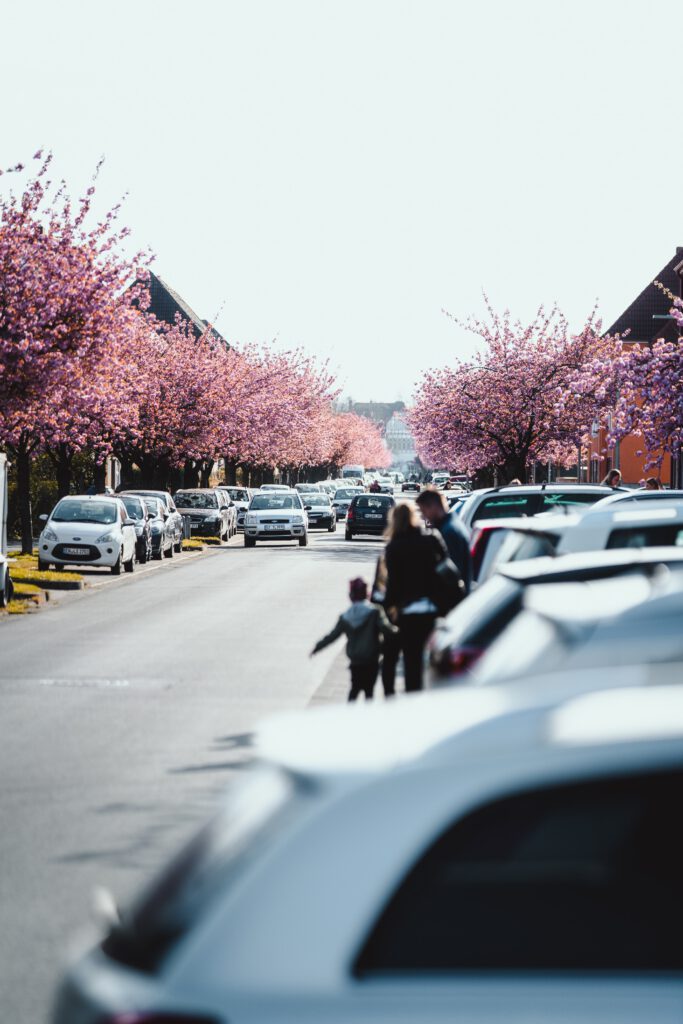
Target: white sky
[[334, 174]]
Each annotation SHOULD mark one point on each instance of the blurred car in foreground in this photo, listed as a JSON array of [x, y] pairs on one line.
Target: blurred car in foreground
[[462, 637], [629, 527], [495, 542], [368, 514], [88, 530], [565, 627], [529, 500], [479, 856], [641, 497]]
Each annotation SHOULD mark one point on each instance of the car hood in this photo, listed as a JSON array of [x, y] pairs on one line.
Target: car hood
[[82, 531]]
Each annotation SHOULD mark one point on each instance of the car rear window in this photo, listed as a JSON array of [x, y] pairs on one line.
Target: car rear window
[[373, 501], [646, 536], [569, 499], [502, 506]]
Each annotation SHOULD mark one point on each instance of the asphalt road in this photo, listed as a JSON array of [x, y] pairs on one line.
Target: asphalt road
[[123, 712]]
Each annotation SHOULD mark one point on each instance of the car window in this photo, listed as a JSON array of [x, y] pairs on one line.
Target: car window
[[196, 499], [317, 500], [73, 510], [134, 507], [373, 501], [569, 499], [500, 506], [646, 536], [345, 494], [574, 877], [154, 506], [273, 500]]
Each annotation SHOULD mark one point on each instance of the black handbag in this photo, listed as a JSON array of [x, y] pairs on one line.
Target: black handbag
[[449, 588]]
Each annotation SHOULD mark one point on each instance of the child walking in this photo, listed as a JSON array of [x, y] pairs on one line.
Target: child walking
[[363, 624]]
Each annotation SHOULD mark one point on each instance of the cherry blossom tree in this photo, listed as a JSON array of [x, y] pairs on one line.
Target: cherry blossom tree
[[531, 393]]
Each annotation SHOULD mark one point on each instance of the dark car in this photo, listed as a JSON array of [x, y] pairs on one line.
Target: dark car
[[410, 485], [368, 513], [137, 511], [175, 520], [207, 510], [161, 528], [321, 512]]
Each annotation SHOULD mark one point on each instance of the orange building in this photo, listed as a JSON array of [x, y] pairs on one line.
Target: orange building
[[647, 319]]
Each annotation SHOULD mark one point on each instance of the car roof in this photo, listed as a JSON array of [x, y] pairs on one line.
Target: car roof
[[614, 514], [91, 497], [460, 723], [546, 522], [532, 568], [540, 488], [620, 497]]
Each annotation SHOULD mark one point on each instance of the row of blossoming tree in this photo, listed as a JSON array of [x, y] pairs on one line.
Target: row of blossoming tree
[[85, 367], [533, 392]]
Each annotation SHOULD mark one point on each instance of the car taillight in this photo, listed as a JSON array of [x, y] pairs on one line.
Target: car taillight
[[349, 512], [460, 659], [477, 549]]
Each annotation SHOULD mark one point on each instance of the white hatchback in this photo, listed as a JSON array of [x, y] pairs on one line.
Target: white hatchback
[[276, 515], [479, 856], [88, 530]]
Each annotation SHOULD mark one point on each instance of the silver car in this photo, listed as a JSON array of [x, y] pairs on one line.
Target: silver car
[[276, 515]]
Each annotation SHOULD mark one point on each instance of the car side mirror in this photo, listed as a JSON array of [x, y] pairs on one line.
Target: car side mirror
[[150, 515], [44, 518], [129, 522], [307, 508]]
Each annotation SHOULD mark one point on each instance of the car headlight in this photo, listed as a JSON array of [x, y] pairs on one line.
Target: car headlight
[[107, 538], [156, 528], [251, 520], [49, 534], [297, 519]]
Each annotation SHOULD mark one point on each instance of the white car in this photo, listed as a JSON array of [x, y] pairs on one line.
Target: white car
[[343, 497], [276, 515], [386, 485], [275, 487], [240, 497], [88, 530], [477, 856], [628, 526]]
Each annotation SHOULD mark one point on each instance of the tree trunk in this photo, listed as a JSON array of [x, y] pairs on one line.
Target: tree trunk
[[100, 476], [230, 469], [24, 498], [190, 474], [63, 463], [205, 471]]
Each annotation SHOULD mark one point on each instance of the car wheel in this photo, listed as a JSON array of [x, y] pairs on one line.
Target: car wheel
[[169, 553], [178, 546], [43, 566], [332, 528], [143, 557], [157, 555], [303, 541], [129, 566], [250, 542], [116, 567], [348, 535]]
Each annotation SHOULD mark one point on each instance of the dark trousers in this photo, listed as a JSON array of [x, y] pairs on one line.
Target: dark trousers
[[391, 650], [363, 680], [415, 631]]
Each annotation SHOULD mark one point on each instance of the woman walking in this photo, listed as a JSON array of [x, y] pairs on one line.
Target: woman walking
[[412, 556]]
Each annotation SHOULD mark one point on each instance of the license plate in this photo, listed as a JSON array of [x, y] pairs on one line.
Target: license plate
[[276, 526], [373, 515], [76, 551]]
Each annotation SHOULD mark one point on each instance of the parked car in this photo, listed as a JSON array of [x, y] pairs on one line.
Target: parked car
[[368, 514], [276, 516], [566, 627], [240, 497], [308, 488], [320, 511], [631, 526], [137, 511], [497, 541], [342, 499], [485, 855], [284, 488], [88, 530], [175, 520], [641, 497], [462, 637], [161, 527], [529, 500], [207, 510]]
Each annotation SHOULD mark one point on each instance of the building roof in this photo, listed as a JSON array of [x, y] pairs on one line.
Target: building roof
[[651, 303], [165, 304]]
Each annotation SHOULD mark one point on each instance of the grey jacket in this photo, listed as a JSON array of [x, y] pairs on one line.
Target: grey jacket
[[363, 625]]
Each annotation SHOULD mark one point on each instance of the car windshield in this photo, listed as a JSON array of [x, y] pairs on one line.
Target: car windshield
[[274, 501], [195, 499], [317, 500], [345, 493], [237, 493], [74, 510], [153, 506], [134, 508]]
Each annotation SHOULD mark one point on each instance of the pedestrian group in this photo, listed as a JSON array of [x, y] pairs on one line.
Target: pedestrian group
[[423, 572]]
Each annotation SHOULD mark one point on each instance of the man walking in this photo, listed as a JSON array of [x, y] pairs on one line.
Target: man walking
[[433, 507]]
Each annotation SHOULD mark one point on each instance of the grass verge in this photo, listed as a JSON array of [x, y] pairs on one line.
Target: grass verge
[[193, 545], [210, 541]]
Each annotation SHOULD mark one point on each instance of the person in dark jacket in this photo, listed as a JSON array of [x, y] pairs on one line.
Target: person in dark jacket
[[363, 624], [412, 555], [391, 646], [432, 505]]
